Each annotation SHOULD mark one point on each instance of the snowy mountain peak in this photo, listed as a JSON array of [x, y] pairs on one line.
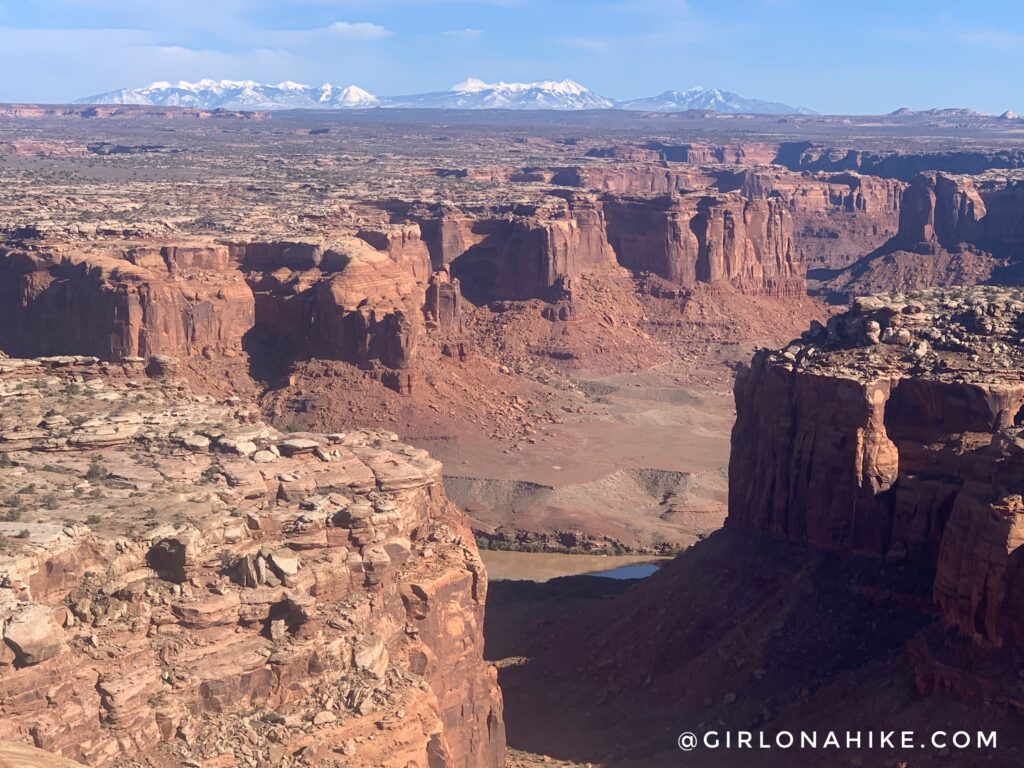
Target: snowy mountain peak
[[711, 100], [474, 93], [471, 93], [470, 85], [561, 87], [240, 94], [353, 95]]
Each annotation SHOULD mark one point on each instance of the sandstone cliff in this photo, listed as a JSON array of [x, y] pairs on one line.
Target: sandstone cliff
[[808, 156], [708, 239], [125, 299], [339, 298], [181, 583], [939, 211], [526, 252], [952, 231], [895, 432]]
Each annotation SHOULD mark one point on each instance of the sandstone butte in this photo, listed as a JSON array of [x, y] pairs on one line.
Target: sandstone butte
[[897, 432], [194, 587]]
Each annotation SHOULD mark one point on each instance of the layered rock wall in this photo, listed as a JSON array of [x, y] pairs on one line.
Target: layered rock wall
[[807, 156], [126, 300], [896, 432], [205, 589], [691, 239], [341, 299], [529, 254], [941, 212]]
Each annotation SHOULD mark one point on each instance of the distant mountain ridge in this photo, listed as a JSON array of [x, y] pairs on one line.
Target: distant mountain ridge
[[239, 94], [938, 112], [476, 94], [710, 99], [472, 93]]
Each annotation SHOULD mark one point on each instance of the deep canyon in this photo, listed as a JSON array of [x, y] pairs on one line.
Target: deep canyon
[[270, 386]]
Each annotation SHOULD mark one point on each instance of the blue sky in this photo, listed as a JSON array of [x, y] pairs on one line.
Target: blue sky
[[857, 57]]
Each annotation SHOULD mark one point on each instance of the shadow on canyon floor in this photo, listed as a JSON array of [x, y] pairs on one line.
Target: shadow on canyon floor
[[737, 633]]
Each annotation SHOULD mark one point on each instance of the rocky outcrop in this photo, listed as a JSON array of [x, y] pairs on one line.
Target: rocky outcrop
[[443, 306], [837, 218], [955, 213], [747, 153], [647, 178], [341, 299], [188, 585], [952, 231], [708, 239], [896, 432]]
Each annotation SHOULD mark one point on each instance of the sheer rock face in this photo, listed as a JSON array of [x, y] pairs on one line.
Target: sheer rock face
[[524, 253], [952, 231], [640, 178], [950, 213], [837, 218], [123, 300], [806, 156], [897, 432], [201, 582], [708, 239], [749, 153], [341, 298], [940, 211]]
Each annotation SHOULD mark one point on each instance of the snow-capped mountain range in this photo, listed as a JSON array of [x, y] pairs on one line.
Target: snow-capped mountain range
[[239, 94], [712, 100], [469, 94], [476, 94]]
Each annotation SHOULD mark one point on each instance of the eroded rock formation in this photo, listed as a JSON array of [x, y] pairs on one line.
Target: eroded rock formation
[[939, 212], [699, 238], [808, 156], [186, 584], [897, 432], [122, 299]]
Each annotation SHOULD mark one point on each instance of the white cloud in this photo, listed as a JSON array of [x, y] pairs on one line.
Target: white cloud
[[291, 38], [362, 30], [469, 33]]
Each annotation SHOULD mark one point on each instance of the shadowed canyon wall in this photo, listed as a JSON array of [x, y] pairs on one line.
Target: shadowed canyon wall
[[894, 457]]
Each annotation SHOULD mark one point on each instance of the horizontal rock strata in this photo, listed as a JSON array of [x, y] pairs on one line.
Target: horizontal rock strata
[[180, 582]]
